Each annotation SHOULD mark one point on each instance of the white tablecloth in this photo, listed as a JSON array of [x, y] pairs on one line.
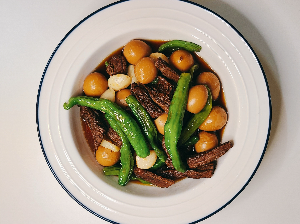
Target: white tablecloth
[[30, 31]]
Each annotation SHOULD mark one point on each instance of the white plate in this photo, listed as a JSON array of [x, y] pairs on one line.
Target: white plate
[[94, 38]]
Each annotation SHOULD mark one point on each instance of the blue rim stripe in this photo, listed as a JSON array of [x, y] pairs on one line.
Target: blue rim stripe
[[44, 73]]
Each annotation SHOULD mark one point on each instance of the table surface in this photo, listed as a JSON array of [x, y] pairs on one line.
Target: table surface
[[30, 31]]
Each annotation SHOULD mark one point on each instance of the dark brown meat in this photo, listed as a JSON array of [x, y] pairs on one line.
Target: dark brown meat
[[166, 70], [113, 135], [169, 163], [161, 93], [197, 174], [205, 171], [94, 126], [209, 166], [142, 96], [153, 178], [170, 173], [116, 65], [203, 158]]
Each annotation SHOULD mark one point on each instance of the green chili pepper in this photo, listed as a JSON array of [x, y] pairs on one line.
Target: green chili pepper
[[147, 125], [158, 164], [174, 122], [155, 81], [174, 45], [160, 138], [115, 170], [196, 120], [111, 170], [193, 69], [140, 180], [126, 122], [126, 156], [191, 141]]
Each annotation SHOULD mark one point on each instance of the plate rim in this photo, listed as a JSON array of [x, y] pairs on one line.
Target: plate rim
[[110, 5]]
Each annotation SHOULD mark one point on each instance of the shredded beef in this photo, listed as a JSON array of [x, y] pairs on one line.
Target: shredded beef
[[145, 100], [116, 65], [153, 178], [203, 158], [166, 70], [96, 127], [161, 93]]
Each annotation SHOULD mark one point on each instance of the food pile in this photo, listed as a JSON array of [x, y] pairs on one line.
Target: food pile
[[154, 115]]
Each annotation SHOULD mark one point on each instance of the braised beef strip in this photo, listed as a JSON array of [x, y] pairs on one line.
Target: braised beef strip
[[153, 178], [95, 125], [195, 174], [209, 166], [145, 100], [205, 171], [113, 135], [117, 65], [168, 162], [203, 158], [170, 173], [166, 70], [161, 93]]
